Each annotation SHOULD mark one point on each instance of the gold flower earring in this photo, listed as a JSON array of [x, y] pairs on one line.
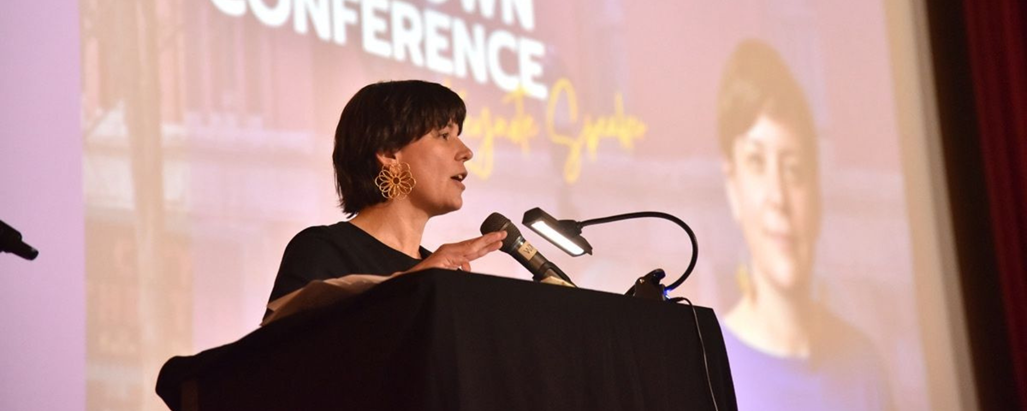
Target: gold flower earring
[[395, 181]]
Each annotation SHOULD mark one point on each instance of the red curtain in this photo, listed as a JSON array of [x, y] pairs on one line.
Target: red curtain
[[996, 39]]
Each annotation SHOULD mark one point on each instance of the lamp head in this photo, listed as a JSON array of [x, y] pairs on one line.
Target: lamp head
[[565, 234]]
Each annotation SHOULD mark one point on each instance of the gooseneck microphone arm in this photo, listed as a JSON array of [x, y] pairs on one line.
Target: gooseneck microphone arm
[[653, 214]]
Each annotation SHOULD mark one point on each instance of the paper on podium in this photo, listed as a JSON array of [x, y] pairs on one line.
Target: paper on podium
[[321, 293]]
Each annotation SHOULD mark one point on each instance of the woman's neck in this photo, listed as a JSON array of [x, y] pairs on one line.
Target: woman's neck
[[394, 225], [773, 320]]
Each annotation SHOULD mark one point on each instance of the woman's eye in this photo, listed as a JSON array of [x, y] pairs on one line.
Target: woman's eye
[[445, 136], [794, 172], [755, 162]]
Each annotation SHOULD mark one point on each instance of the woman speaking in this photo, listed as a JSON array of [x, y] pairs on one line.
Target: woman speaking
[[398, 161]]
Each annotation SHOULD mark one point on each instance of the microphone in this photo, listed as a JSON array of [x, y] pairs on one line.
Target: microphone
[[10, 242], [542, 269]]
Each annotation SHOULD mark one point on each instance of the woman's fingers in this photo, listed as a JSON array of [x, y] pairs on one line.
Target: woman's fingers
[[457, 263], [458, 256], [486, 244], [475, 247], [461, 254], [480, 248]]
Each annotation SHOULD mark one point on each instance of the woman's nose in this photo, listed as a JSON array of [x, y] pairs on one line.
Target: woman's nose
[[775, 186], [464, 153]]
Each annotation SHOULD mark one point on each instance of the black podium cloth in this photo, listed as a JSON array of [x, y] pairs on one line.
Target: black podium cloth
[[442, 340]]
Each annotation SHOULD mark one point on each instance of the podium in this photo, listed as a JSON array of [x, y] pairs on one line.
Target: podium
[[445, 340]]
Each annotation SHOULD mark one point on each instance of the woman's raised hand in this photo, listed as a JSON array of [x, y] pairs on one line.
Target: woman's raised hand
[[458, 256]]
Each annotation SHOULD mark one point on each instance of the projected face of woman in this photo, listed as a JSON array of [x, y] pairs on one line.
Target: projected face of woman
[[774, 196], [437, 163]]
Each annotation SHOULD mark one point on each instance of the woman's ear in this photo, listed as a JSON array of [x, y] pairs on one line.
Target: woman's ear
[[386, 157]]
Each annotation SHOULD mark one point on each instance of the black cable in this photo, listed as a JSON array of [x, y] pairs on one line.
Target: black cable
[[702, 346], [654, 214]]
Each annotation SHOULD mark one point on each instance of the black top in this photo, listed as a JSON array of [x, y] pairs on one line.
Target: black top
[[324, 252]]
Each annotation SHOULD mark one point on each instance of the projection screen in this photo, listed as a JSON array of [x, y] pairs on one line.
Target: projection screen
[[207, 130]]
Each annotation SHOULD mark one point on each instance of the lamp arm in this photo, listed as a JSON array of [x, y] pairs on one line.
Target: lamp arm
[[654, 214]]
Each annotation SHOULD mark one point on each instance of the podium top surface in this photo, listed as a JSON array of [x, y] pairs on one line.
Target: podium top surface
[[442, 339]]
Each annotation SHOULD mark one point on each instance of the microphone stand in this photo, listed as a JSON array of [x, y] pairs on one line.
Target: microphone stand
[[648, 286]]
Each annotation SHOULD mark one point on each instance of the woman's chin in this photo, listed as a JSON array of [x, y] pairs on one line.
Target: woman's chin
[[449, 207], [792, 287]]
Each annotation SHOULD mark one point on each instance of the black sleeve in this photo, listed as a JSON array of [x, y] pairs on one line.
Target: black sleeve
[[311, 255]]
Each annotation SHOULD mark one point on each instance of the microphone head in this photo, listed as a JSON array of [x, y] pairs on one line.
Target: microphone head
[[498, 222]]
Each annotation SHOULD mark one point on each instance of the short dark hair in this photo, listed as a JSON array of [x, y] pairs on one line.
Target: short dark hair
[[385, 117], [758, 82]]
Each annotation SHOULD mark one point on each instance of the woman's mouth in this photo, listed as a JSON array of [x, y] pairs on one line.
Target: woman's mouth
[[459, 179], [784, 241]]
